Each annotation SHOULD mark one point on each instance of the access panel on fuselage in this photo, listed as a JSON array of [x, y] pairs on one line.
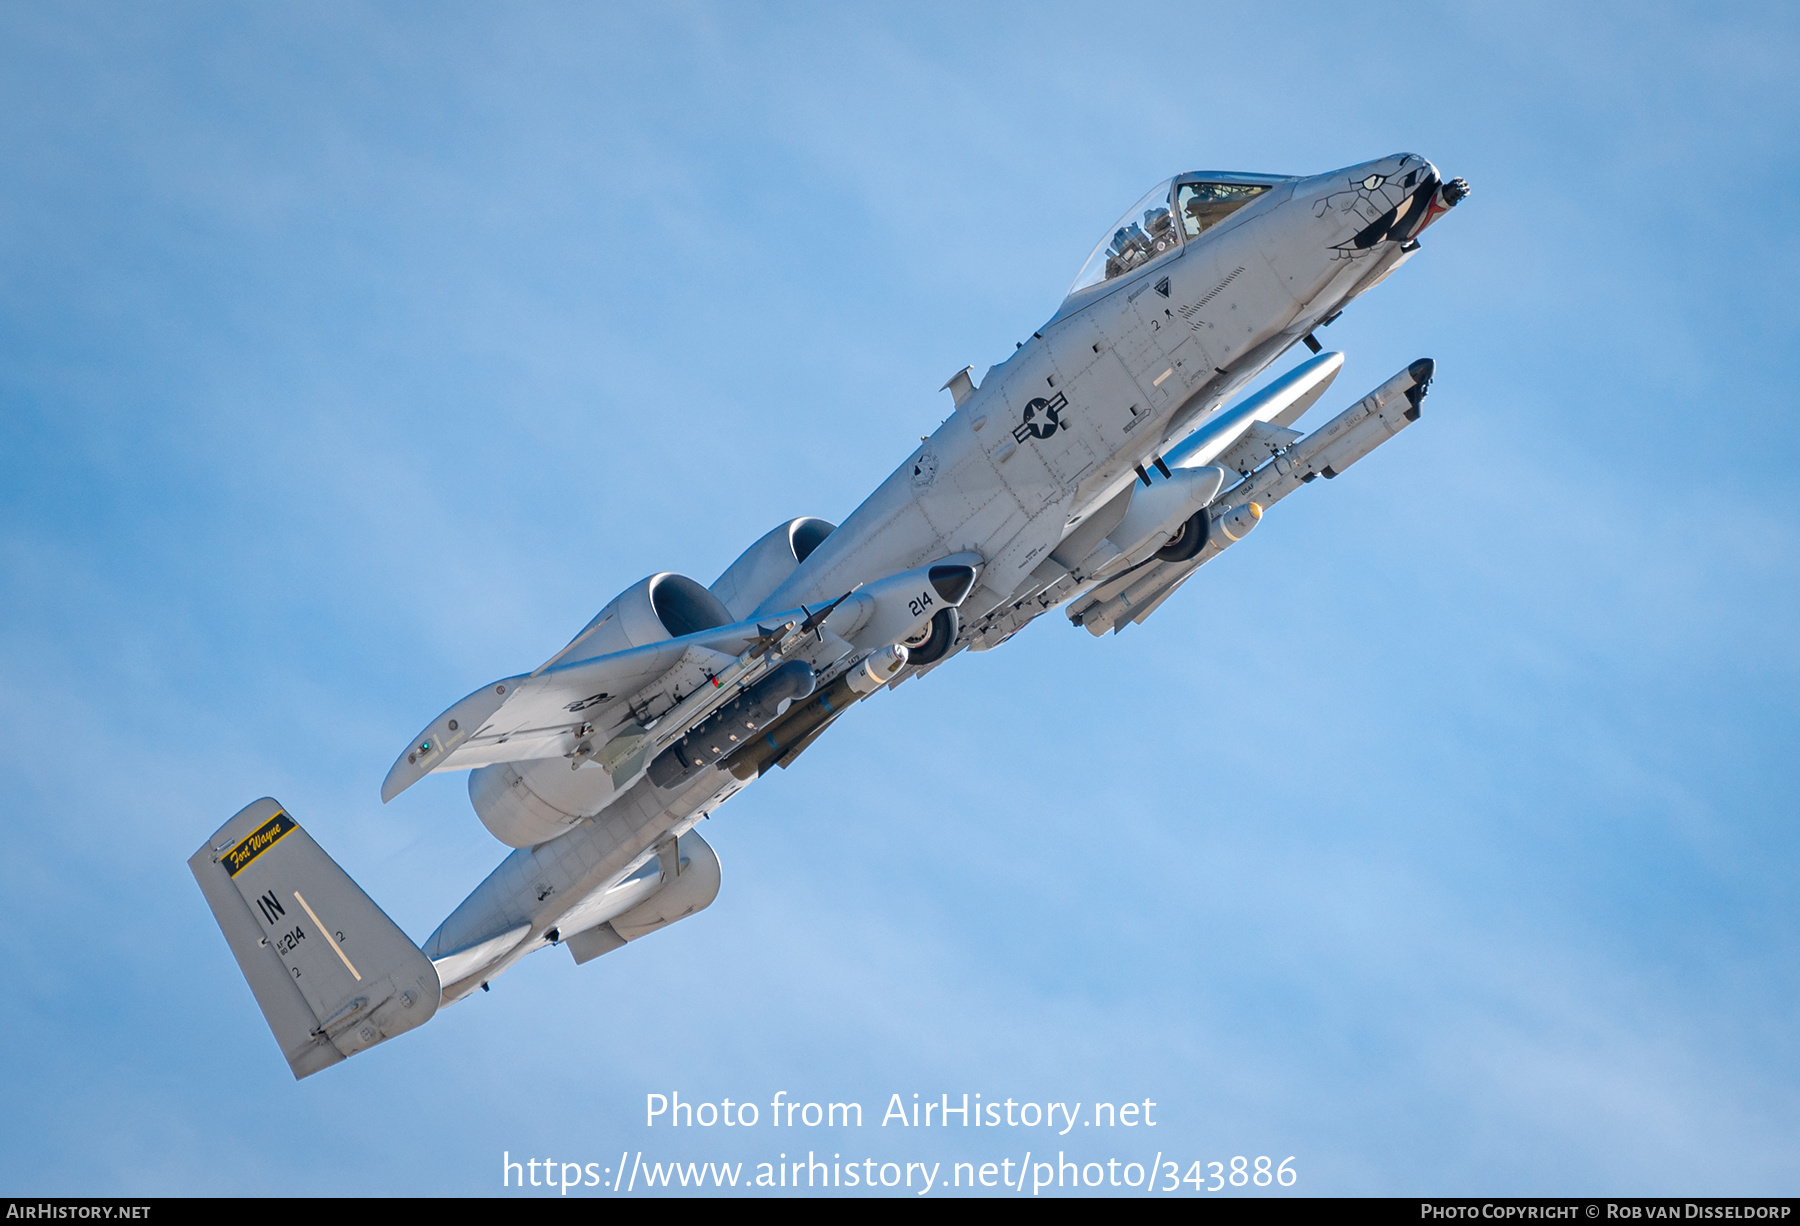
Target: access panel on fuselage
[[1231, 300], [988, 512], [1138, 345], [1051, 417], [1103, 399], [1009, 441], [960, 492], [1151, 305]]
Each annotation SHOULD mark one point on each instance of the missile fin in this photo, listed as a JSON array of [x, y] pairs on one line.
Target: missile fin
[[1156, 603]]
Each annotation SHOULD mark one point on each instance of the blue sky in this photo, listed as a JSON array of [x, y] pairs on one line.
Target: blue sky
[[1442, 836]]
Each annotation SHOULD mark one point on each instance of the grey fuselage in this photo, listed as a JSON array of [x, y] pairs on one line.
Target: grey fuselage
[[1123, 371]]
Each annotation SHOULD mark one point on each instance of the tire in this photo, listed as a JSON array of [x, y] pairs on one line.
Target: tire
[[1186, 544], [935, 641]]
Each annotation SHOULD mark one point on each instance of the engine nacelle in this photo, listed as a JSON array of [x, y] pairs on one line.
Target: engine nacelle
[[526, 803], [653, 610], [693, 888], [767, 564]]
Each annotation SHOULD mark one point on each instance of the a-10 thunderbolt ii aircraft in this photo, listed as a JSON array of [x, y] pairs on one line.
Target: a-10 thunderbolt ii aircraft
[[1094, 470]]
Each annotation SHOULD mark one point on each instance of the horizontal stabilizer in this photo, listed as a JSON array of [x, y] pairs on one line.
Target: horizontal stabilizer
[[332, 973]]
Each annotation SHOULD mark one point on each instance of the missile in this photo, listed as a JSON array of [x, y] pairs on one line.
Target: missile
[[732, 724], [1367, 424], [1228, 527], [784, 741], [1326, 452]]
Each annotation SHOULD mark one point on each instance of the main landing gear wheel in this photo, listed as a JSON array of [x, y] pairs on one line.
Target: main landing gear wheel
[[1187, 542], [934, 642]]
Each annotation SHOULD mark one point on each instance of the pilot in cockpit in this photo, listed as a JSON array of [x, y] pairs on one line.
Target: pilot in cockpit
[[1134, 244], [1206, 204]]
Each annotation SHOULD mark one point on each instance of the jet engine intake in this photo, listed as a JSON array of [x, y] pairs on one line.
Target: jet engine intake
[[767, 564], [1162, 509], [653, 610]]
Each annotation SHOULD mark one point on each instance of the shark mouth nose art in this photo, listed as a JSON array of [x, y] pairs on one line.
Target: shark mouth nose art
[[1426, 201]]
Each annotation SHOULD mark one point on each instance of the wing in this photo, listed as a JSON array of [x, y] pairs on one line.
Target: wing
[[536, 715], [579, 707]]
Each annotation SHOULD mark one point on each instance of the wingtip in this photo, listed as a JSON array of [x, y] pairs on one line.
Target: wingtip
[[395, 783], [438, 742]]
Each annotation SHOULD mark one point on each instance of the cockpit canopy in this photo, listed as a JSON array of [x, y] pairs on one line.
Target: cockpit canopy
[[1148, 232]]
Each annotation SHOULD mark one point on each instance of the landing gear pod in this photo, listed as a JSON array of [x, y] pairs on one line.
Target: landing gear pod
[[933, 642], [901, 608], [1189, 539], [1163, 510]]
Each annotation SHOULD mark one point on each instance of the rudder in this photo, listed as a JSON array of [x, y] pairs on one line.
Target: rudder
[[331, 972]]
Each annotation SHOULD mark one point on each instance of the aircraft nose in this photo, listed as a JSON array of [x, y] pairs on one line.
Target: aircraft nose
[[1389, 199]]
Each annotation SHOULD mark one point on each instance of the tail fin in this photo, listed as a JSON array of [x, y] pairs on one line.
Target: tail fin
[[332, 973]]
